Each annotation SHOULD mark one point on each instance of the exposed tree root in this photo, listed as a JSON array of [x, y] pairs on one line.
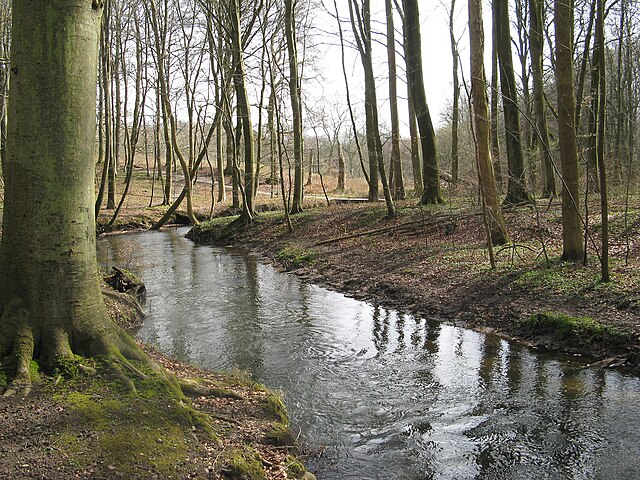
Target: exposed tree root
[[56, 348], [192, 387]]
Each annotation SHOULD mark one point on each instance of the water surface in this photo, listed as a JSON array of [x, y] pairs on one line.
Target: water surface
[[377, 394]]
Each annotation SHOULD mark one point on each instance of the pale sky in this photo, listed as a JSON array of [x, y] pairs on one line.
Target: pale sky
[[436, 52]]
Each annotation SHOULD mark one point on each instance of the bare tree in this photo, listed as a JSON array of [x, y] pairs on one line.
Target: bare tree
[[516, 186], [572, 240], [396, 180], [495, 222], [415, 77], [536, 14]]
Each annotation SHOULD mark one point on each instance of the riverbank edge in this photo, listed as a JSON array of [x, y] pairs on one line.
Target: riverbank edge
[[538, 319], [71, 425]]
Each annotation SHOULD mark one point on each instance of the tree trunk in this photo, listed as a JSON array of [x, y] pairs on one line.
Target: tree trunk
[[455, 115], [516, 186], [52, 306], [593, 184], [397, 183], [572, 239], [416, 163], [536, 12], [604, 201], [415, 77], [341, 183], [495, 138], [361, 25], [296, 107], [497, 229]]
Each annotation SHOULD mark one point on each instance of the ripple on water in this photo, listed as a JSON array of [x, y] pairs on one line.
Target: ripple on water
[[384, 395]]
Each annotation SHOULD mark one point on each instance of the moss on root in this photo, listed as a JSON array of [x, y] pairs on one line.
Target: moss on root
[[244, 464], [136, 436], [275, 405], [279, 435]]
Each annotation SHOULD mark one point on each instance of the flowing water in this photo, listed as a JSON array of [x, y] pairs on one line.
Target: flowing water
[[379, 394]]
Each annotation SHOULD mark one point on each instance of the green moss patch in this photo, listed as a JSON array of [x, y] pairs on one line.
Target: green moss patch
[[244, 464], [295, 257], [275, 405], [565, 327], [294, 468], [134, 435], [213, 230]]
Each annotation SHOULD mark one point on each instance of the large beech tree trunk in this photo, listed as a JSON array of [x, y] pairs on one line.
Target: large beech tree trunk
[[50, 296]]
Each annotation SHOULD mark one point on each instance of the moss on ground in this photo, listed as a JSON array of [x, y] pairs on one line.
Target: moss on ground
[[132, 435], [564, 327], [296, 257], [244, 464]]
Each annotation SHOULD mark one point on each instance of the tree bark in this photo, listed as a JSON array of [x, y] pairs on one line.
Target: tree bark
[[497, 229], [572, 239], [50, 296]]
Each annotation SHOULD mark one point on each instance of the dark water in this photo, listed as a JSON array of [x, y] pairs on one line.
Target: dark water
[[384, 395]]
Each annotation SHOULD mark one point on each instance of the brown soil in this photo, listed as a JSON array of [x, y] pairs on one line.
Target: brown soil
[[433, 262]]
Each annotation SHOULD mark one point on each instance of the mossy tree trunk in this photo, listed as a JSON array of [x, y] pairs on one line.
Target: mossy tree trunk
[[50, 296], [5, 34]]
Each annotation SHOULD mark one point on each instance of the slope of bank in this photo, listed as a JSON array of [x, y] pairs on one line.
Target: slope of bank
[[75, 426], [433, 262]]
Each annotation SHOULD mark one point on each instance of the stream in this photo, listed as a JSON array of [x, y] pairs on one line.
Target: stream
[[376, 394]]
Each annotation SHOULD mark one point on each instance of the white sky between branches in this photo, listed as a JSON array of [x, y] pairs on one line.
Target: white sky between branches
[[328, 88]]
